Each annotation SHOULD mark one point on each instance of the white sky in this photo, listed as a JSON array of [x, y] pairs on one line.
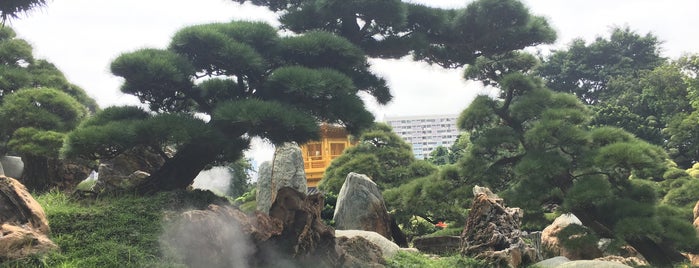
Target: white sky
[[82, 37]]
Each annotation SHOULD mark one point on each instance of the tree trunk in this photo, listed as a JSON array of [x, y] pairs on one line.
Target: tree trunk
[[179, 172], [658, 254], [36, 176]]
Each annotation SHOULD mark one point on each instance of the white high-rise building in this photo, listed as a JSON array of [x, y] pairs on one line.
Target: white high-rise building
[[425, 133]]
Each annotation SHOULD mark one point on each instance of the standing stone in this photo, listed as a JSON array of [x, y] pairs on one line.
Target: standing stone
[[285, 170], [492, 232], [696, 213], [24, 228], [360, 206], [11, 166]]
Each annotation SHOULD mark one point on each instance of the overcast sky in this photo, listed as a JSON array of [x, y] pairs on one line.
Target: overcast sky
[[82, 37]]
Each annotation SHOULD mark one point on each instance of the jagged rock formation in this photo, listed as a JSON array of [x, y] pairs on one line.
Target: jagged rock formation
[[24, 228], [492, 232], [127, 170], [285, 170], [360, 206]]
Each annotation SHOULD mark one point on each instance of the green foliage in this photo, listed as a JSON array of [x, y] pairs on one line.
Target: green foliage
[[11, 9], [577, 238], [20, 70], [35, 120], [685, 195], [409, 259], [393, 29], [577, 69], [240, 182], [250, 81], [440, 196]]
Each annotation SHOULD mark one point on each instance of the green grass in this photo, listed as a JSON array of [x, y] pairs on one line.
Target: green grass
[[109, 231], [418, 260]]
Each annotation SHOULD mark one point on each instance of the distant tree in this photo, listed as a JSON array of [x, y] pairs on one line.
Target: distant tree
[[442, 155], [240, 177], [535, 146], [439, 196], [34, 124], [586, 70], [682, 132], [393, 28], [247, 79], [380, 154], [10, 9], [439, 156]]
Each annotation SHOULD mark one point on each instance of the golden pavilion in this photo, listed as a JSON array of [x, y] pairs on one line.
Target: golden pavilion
[[317, 155]]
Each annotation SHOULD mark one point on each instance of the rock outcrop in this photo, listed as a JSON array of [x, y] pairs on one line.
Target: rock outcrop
[[24, 228], [553, 247], [127, 170], [285, 170], [360, 206], [492, 232]]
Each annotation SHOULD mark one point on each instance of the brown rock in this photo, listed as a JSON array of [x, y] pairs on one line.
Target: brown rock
[[492, 233], [305, 236], [24, 229], [696, 211], [359, 252]]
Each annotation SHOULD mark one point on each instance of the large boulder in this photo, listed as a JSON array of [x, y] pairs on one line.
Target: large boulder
[[360, 206], [127, 170], [552, 246], [358, 252], [388, 248], [285, 170], [696, 214], [24, 228], [492, 232]]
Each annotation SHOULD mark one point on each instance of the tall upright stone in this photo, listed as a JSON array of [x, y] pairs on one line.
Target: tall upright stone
[[285, 170], [360, 206], [492, 232], [11, 166]]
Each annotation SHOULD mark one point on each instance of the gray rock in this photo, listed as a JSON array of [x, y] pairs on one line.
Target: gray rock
[[11, 166], [360, 206], [551, 263], [388, 248], [285, 170]]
